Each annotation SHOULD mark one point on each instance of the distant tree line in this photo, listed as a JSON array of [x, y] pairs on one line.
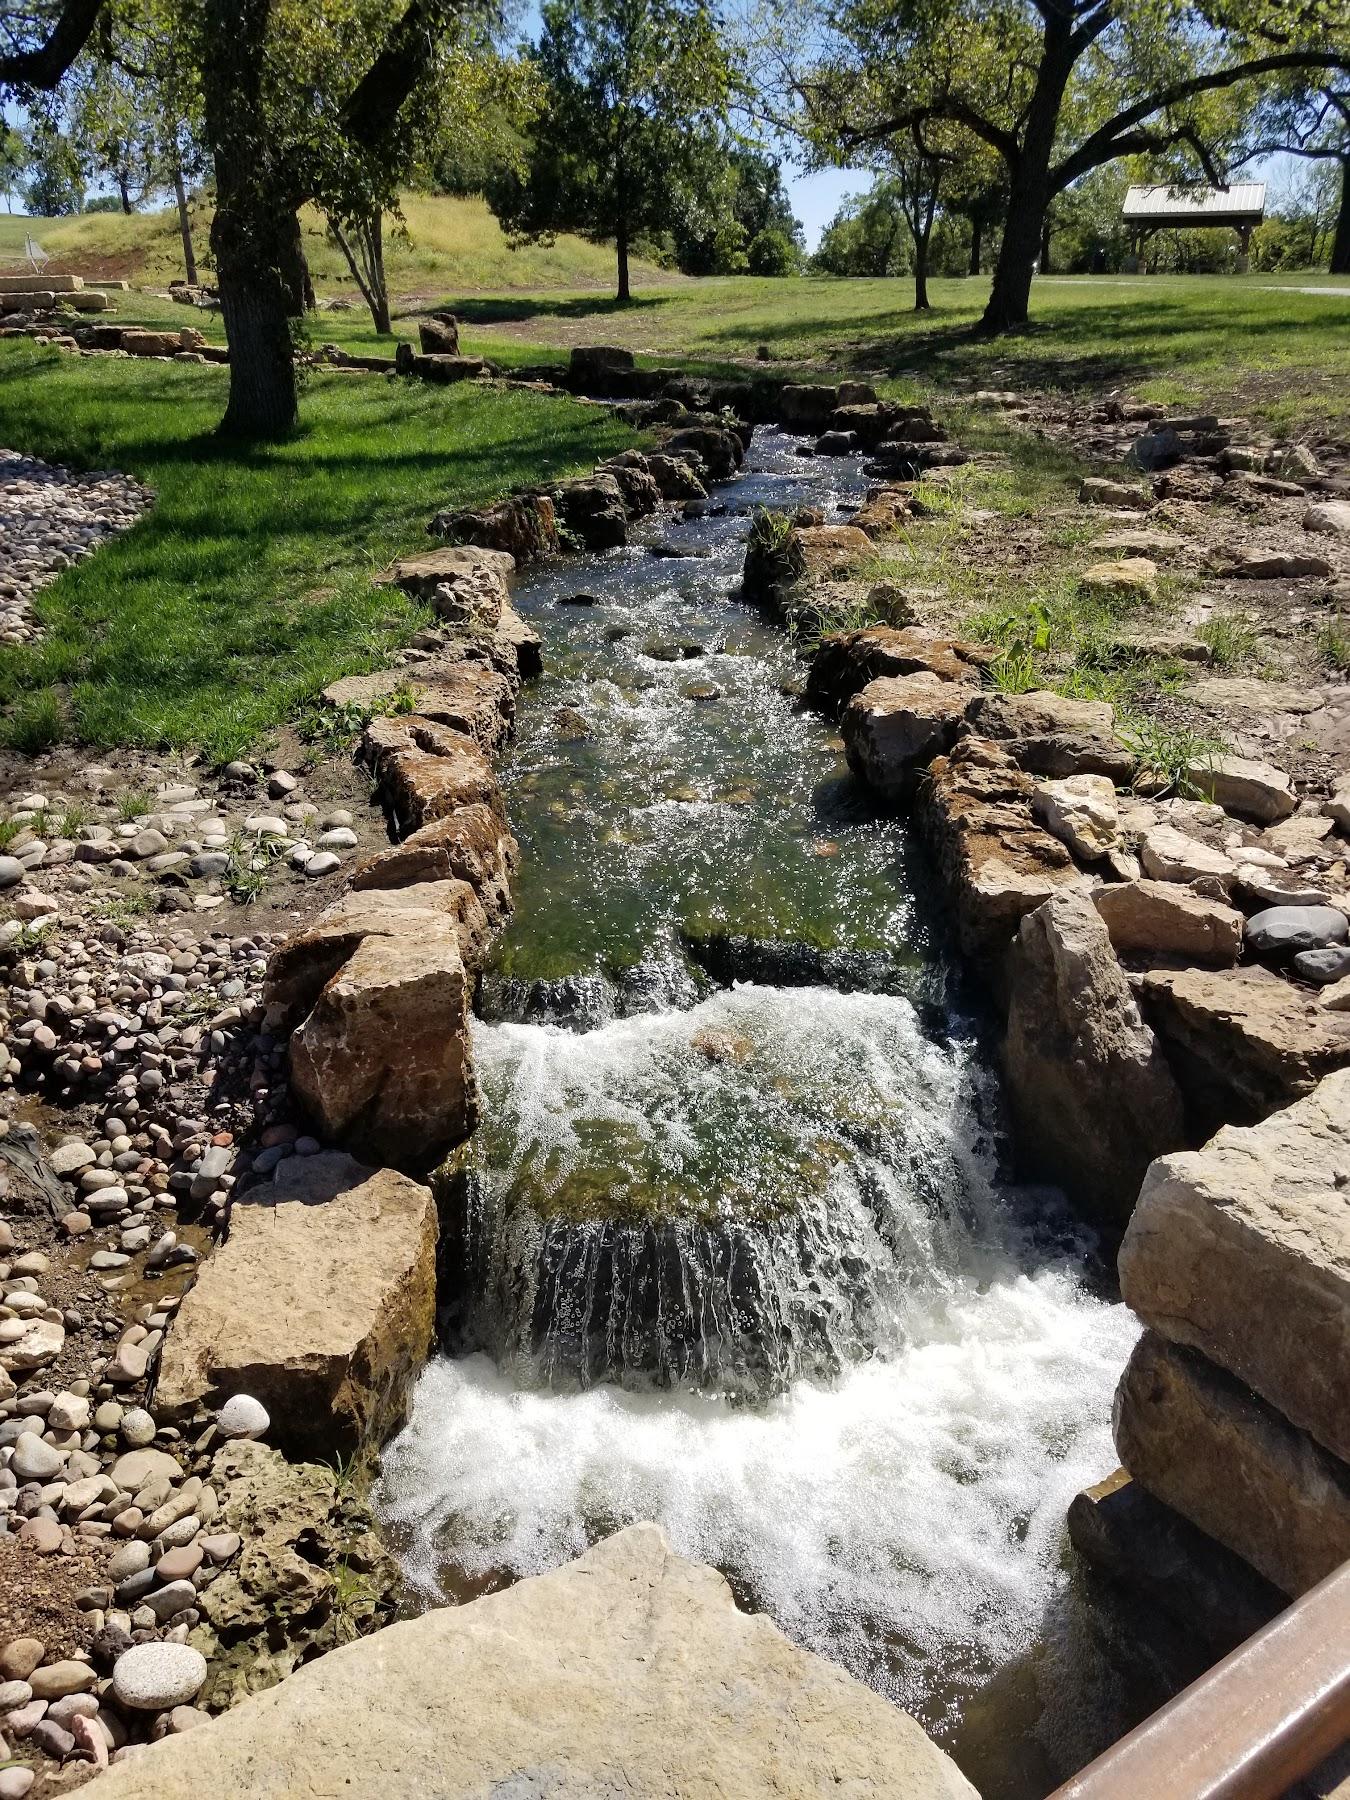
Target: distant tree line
[[997, 130]]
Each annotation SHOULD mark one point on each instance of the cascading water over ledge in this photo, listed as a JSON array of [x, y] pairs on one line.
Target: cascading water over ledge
[[733, 1196], [729, 1250]]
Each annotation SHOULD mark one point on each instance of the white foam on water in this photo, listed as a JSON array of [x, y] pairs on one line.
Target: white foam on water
[[906, 1518]]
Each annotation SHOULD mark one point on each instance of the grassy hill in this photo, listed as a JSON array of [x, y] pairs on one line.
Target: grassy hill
[[443, 244]]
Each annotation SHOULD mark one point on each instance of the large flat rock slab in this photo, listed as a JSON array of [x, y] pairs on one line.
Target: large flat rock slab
[[1201, 1442], [628, 1672], [1242, 1250], [320, 1303]]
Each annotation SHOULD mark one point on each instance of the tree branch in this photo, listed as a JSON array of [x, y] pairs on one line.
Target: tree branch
[[395, 72], [1101, 147], [44, 67]]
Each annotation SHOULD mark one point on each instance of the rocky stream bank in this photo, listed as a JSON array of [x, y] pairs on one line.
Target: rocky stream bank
[[223, 1248]]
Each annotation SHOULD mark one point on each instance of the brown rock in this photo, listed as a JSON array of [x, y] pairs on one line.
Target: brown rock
[[1202, 1443], [897, 724], [1274, 565], [883, 512], [676, 477], [20, 1657], [439, 336], [320, 1303], [476, 578], [629, 1671], [382, 1058], [426, 770], [1166, 919], [470, 844], [524, 527], [1242, 1250], [1243, 1042], [846, 661], [1048, 734], [995, 863], [1092, 1094]]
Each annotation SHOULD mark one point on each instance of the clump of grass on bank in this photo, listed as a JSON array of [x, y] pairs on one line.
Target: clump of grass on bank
[[248, 585]]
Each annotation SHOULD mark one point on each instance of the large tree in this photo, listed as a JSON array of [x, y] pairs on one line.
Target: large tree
[[1055, 88], [629, 92], [1310, 119]]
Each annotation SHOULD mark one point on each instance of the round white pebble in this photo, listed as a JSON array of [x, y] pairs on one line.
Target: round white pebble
[[151, 1677], [242, 1417], [138, 1428]]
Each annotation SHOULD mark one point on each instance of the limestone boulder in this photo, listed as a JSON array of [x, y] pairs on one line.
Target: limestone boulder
[[471, 844], [1162, 918], [719, 451], [1048, 734], [1204, 1444], [676, 477], [1169, 855], [1331, 517], [1252, 564], [808, 405], [478, 578], [1244, 1042], [883, 511], [591, 512], [994, 862], [524, 527], [897, 724], [1081, 811], [439, 335], [1247, 788], [628, 1671], [1242, 1250], [1097, 490], [846, 661], [426, 770], [382, 1059], [1092, 1093], [320, 1304], [1130, 576]]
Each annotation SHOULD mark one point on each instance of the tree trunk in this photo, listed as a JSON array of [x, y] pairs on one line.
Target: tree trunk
[[621, 243], [1029, 188], [1045, 248], [184, 227], [921, 275], [295, 269], [254, 227], [380, 311], [123, 192], [1340, 243], [367, 268], [976, 242]]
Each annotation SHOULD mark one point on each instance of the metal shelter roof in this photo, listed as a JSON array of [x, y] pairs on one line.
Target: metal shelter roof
[[1242, 203]]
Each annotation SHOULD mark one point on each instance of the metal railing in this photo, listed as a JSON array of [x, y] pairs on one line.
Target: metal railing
[[1253, 1725]]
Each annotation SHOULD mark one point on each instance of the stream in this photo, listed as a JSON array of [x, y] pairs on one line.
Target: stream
[[731, 1250]]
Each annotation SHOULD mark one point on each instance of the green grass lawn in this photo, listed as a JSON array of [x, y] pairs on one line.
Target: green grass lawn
[[248, 586], [1252, 343]]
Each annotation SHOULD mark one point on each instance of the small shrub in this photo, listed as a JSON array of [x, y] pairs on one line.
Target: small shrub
[[1333, 645], [133, 805], [1233, 644], [1167, 754]]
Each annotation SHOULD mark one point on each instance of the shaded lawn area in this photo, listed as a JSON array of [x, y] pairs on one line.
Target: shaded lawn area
[[248, 585]]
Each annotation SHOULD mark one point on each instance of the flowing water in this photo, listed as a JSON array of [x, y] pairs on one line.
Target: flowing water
[[731, 1251]]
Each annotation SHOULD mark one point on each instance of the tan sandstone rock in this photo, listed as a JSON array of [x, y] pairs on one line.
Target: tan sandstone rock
[[1166, 919], [995, 863], [1171, 855], [1242, 1250], [1050, 734], [1240, 785], [846, 661], [898, 724], [1093, 1096], [1243, 1041], [1201, 1442], [381, 1058], [1136, 575], [471, 844], [628, 1671], [1080, 810], [426, 770], [320, 1303]]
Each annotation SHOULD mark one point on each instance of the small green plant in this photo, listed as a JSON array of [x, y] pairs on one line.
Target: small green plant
[[134, 804], [769, 530], [70, 822], [126, 908], [36, 723], [1333, 645], [250, 866], [1168, 755], [9, 830], [1233, 644], [1026, 637]]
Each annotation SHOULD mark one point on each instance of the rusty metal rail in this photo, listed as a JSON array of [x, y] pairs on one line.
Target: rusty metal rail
[[1250, 1727]]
